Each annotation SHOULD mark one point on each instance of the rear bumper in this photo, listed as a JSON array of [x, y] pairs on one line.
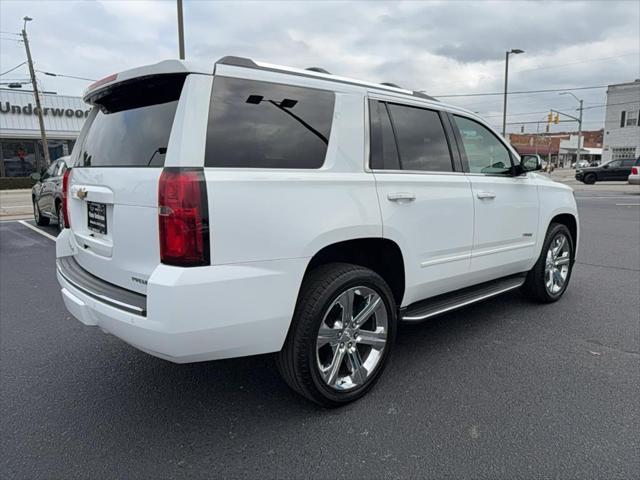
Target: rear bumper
[[198, 314], [634, 179]]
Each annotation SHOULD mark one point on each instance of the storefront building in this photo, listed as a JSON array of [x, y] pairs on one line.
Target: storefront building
[[20, 145]]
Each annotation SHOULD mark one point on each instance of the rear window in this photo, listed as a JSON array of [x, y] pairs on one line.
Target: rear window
[[267, 125], [132, 124]]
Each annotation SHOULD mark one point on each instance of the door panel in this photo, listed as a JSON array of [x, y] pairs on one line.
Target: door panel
[[506, 206], [431, 217], [506, 224]]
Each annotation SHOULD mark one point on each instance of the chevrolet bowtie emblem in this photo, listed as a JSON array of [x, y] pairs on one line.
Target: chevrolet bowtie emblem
[[82, 193]]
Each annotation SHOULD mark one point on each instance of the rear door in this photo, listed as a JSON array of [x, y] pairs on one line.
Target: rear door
[[425, 200], [45, 197], [113, 192]]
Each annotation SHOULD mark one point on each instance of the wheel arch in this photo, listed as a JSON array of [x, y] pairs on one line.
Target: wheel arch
[[381, 255], [571, 222]]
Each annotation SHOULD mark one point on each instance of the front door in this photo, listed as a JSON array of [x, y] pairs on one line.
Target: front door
[[506, 206]]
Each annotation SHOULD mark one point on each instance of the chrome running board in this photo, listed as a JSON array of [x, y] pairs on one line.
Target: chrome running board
[[431, 307]]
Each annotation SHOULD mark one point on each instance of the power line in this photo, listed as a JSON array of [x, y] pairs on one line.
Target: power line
[[66, 76], [520, 92], [12, 69]]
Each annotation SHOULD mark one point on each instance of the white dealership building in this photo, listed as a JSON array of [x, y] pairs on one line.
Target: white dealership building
[[622, 122], [20, 144]]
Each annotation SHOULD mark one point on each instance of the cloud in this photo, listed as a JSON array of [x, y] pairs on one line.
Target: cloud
[[440, 47]]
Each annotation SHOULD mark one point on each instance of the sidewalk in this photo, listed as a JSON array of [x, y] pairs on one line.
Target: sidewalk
[[15, 204]]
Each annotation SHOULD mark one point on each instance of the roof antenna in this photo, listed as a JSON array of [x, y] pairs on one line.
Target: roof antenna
[[318, 70]]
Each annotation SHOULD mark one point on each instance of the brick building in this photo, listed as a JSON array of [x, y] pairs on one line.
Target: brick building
[[556, 146]]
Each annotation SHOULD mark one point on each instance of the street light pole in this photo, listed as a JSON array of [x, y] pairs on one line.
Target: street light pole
[[579, 124], [36, 94], [180, 30], [514, 51]]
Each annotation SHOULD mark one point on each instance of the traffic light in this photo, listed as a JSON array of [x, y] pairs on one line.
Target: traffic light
[[550, 117], [557, 119]]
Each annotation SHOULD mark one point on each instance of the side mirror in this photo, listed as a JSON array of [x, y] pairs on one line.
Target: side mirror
[[606, 165], [35, 176], [531, 163]]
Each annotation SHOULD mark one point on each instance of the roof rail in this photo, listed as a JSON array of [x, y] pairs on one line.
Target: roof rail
[[318, 70], [248, 63], [237, 62], [416, 93]]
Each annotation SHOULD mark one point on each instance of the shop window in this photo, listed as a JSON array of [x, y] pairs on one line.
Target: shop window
[[18, 157]]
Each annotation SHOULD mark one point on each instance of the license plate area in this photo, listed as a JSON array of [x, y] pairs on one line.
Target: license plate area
[[97, 217]]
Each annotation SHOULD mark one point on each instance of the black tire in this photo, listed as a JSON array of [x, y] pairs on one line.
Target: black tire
[[60, 217], [40, 220], [297, 360], [590, 178], [534, 286]]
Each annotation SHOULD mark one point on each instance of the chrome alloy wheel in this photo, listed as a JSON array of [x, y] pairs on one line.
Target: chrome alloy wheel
[[557, 264], [351, 338]]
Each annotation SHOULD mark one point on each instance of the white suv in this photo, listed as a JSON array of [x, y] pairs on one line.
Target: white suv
[[249, 208]]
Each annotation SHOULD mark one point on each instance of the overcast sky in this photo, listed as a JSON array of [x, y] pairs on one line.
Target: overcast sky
[[452, 47]]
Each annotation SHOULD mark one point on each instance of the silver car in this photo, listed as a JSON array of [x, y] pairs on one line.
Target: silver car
[[46, 194]]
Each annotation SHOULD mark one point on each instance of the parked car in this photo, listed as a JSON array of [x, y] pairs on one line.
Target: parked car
[[46, 194], [259, 208], [580, 164], [610, 171], [634, 177]]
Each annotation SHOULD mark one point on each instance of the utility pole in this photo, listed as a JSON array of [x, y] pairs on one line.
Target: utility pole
[[514, 51], [579, 134], [36, 94], [180, 30], [579, 119]]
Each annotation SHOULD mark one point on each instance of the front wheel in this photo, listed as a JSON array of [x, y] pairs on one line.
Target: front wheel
[[341, 336], [549, 278], [590, 179]]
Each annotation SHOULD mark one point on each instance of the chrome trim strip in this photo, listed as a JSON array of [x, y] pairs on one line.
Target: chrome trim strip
[[462, 304], [453, 258], [102, 298], [491, 251]]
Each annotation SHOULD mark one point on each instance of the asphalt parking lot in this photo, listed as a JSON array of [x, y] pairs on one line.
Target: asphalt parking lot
[[502, 389]]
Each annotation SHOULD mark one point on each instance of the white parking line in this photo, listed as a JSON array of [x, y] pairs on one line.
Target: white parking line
[[627, 204], [17, 206], [36, 229]]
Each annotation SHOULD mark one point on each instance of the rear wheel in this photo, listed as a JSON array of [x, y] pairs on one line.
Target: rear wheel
[[549, 278], [590, 178], [341, 336], [40, 220]]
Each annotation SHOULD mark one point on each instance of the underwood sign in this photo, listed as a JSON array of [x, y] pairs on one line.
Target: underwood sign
[[29, 109]]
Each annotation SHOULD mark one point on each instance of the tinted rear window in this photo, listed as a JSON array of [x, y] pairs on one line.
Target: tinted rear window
[[421, 139], [266, 125], [132, 124]]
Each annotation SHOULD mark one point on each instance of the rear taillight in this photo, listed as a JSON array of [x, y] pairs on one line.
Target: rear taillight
[[634, 170], [183, 217], [65, 197]]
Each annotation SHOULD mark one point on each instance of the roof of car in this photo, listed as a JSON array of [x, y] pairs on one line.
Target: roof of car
[[183, 66]]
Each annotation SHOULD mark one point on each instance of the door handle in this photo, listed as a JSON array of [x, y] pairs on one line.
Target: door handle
[[401, 196], [486, 195]]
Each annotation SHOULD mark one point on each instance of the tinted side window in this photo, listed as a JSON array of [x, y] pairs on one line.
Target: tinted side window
[[485, 153], [384, 153], [266, 125], [421, 139], [628, 163]]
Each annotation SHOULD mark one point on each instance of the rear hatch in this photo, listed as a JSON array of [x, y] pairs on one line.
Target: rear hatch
[[113, 188]]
